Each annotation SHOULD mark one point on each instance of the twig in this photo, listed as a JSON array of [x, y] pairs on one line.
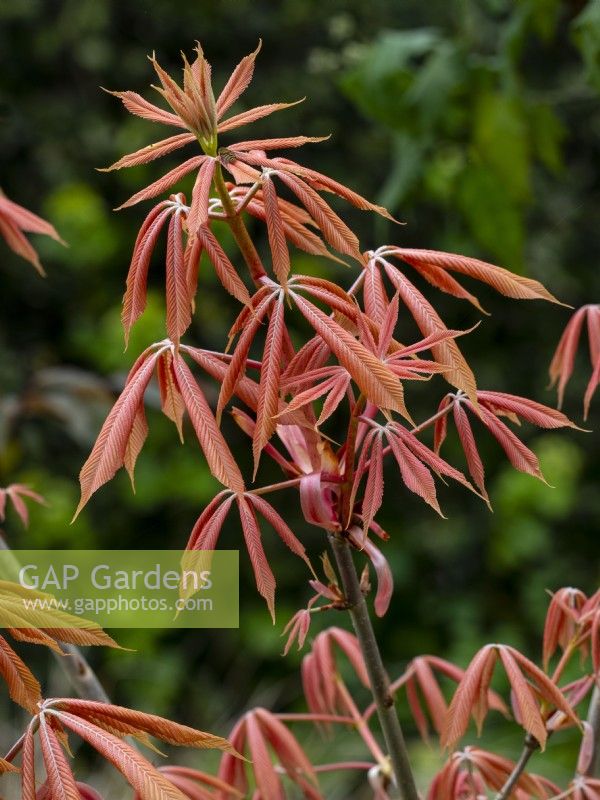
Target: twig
[[239, 230], [378, 678], [82, 677], [529, 748]]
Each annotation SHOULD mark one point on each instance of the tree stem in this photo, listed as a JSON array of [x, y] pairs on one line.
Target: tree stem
[[239, 230], [378, 678], [530, 746], [82, 677]]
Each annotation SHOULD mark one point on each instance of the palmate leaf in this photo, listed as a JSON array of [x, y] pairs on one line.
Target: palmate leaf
[[424, 694], [471, 696], [372, 376], [265, 738], [15, 220], [320, 673], [295, 221], [16, 493], [472, 772], [311, 178], [104, 727], [433, 265], [334, 230], [415, 461], [108, 453], [562, 620], [206, 532], [120, 439], [447, 352], [490, 406], [334, 385], [563, 361]]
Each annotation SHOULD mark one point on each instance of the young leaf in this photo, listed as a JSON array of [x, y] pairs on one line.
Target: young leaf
[[23, 687], [108, 453], [134, 299], [504, 281], [268, 396], [14, 220], [136, 104], [373, 377], [152, 151], [60, 778], [459, 373], [179, 311], [252, 115], [16, 493], [276, 232], [238, 82], [218, 455], [162, 184], [145, 779], [198, 214], [225, 270], [265, 580]]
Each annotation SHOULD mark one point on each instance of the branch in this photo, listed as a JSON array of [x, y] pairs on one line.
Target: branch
[[82, 677], [239, 230], [529, 748], [378, 678]]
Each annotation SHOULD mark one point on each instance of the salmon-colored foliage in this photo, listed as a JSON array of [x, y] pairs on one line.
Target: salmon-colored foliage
[[328, 410]]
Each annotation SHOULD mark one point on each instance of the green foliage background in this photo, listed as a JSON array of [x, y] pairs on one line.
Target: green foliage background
[[476, 123]]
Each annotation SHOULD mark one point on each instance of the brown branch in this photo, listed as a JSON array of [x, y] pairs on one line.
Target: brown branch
[[529, 748], [378, 678], [82, 677]]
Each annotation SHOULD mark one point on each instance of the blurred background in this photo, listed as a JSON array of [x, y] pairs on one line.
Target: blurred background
[[475, 122]]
